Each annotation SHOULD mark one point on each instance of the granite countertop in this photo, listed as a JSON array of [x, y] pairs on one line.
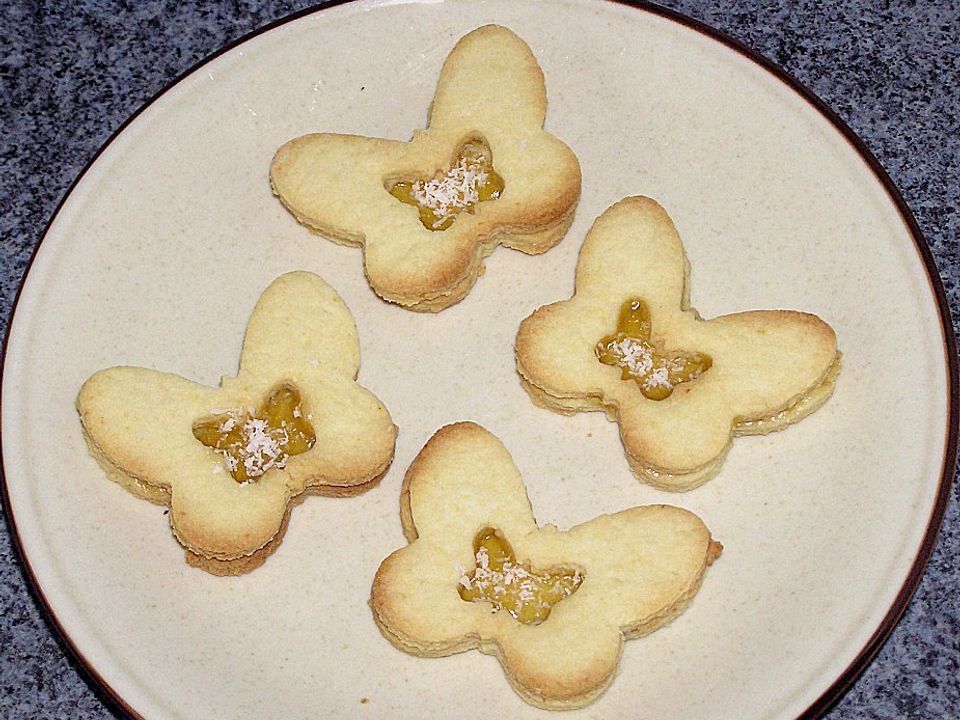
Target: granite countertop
[[73, 72]]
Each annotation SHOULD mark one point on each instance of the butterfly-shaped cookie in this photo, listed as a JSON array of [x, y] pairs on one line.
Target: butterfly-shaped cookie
[[681, 387], [484, 173], [553, 606], [230, 461]]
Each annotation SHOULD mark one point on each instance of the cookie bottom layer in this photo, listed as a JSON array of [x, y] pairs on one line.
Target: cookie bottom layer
[[215, 564], [246, 563], [532, 241], [675, 481]]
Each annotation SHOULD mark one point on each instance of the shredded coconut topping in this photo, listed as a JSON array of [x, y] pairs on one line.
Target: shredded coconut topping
[[498, 583], [640, 358], [494, 585], [658, 378], [261, 447], [451, 191], [635, 354]]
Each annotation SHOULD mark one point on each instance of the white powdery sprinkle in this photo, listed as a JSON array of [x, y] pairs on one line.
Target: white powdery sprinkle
[[264, 447], [463, 577], [498, 583], [634, 354], [527, 591], [456, 189], [231, 461], [658, 378], [261, 448], [483, 560]]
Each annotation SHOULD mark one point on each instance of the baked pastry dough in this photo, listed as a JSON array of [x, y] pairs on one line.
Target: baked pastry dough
[[490, 103], [143, 428], [758, 371], [636, 570]]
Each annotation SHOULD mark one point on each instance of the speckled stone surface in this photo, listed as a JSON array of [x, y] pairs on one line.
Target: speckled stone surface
[[71, 73]]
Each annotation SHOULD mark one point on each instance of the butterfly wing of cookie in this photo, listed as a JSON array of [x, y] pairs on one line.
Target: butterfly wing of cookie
[[490, 87], [299, 322], [333, 183], [139, 423], [763, 361], [302, 333]]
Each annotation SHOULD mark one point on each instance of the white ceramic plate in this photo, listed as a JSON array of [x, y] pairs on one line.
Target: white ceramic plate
[[160, 251]]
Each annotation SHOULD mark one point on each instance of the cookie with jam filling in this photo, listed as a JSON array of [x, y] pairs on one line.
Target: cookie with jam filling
[[426, 212], [231, 461], [680, 387], [554, 607]]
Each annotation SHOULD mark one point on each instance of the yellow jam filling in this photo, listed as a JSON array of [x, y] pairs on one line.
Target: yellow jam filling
[[469, 180], [253, 440], [656, 373], [508, 585]]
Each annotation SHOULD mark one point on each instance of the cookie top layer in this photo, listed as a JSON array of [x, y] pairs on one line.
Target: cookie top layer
[[769, 367], [639, 568], [139, 423], [490, 89]]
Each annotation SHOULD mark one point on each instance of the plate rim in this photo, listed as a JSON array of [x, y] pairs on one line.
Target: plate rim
[[112, 698]]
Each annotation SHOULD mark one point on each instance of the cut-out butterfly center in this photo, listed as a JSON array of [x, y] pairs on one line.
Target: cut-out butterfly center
[[469, 180], [508, 585], [656, 373], [254, 440]]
